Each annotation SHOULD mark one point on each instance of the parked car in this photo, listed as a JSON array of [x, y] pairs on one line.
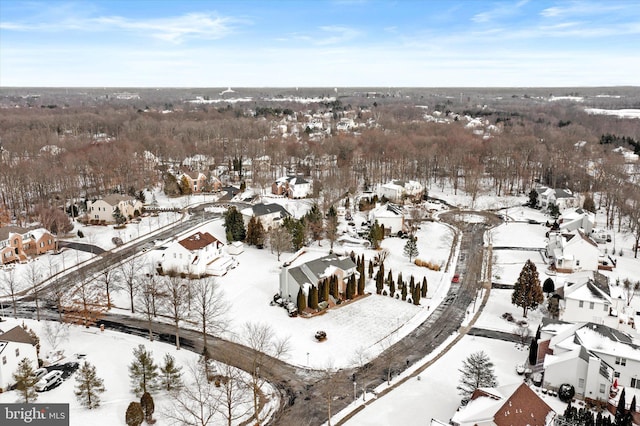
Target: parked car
[[40, 373], [455, 279], [49, 381]]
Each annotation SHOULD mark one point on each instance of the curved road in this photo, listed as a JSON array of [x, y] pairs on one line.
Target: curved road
[[304, 393]]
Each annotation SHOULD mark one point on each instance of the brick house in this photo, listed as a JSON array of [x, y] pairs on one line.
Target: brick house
[[18, 244]]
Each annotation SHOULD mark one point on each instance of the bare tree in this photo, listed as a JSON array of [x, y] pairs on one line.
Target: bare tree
[[279, 240], [85, 304], [55, 333], [147, 298], [129, 273], [332, 379], [175, 299], [109, 277], [630, 289], [197, 402], [523, 334], [235, 396], [34, 276], [266, 346], [208, 311], [10, 287]]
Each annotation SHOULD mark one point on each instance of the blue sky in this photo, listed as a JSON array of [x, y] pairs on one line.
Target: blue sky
[[333, 43]]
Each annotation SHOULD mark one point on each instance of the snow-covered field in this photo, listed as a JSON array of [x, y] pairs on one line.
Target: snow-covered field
[[111, 353]]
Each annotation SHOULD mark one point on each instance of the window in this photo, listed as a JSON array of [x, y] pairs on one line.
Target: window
[[616, 374], [581, 383], [591, 305], [581, 304], [17, 352], [604, 308], [577, 262], [602, 387], [621, 361], [4, 360], [635, 382]]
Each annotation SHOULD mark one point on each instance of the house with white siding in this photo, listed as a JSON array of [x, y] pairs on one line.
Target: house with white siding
[[15, 345], [102, 210], [572, 251], [192, 255]]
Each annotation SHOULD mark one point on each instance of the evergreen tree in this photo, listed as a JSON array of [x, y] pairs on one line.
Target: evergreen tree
[[25, 380], [148, 407], [411, 249], [88, 386], [620, 410], [527, 292], [313, 297], [331, 227], [118, 216], [416, 295], [170, 374], [251, 225], [134, 415], [548, 286], [589, 204], [424, 287], [370, 269], [533, 198], [351, 287], [361, 285], [314, 222], [477, 371], [533, 351], [404, 291], [302, 300], [234, 225], [296, 230], [392, 285], [553, 306], [142, 371], [376, 234], [379, 283]]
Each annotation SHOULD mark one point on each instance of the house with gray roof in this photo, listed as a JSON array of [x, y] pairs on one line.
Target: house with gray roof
[[15, 345], [269, 214], [292, 187], [561, 197], [292, 278]]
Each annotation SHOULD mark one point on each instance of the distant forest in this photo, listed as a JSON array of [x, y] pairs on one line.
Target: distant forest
[[63, 146]]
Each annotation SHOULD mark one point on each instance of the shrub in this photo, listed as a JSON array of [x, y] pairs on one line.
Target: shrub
[[426, 264], [566, 392]]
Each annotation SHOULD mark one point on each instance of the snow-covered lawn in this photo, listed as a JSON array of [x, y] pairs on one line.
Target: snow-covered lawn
[[434, 394], [519, 235], [507, 265], [111, 353], [498, 304]]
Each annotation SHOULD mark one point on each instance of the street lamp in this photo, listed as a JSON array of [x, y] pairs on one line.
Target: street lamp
[[354, 391]]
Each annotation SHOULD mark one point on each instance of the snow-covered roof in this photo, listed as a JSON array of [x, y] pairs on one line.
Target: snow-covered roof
[[600, 338]]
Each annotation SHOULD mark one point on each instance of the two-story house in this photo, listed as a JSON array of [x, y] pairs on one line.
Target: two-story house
[[18, 244], [102, 210], [291, 187], [391, 216], [295, 276], [191, 255], [397, 190], [572, 251], [269, 214], [563, 198]]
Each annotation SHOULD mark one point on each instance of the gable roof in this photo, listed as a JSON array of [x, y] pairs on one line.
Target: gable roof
[[6, 231], [199, 240], [18, 335], [114, 199], [314, 270], [262, 209], [509, 405]]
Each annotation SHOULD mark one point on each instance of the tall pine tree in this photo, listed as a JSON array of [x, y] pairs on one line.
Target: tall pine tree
[[25, 380], [527, 292], [142, 371], [88, 386], [476, 372], [411, 249], [170, 374]]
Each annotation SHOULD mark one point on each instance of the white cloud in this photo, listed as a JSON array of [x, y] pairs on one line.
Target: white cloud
[[338, 34], [174, 29]]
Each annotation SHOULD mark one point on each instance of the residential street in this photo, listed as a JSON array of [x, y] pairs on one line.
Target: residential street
[[304, 393]]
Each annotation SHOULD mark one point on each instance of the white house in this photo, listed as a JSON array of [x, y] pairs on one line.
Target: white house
[[310, 273], [586, 298], [102, 210], [577, 218], [389, 215], [591, 355], [192, 255], [292, 187], [15, 345], [269, 214], [397, 190], [572, 251], [563, 198], [513, 404]]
